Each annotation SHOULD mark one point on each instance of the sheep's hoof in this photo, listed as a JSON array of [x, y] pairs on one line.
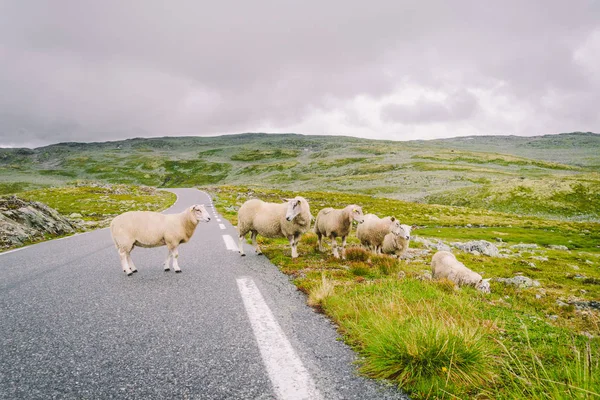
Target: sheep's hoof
[[134, 271], [129, 273], [177, 271], [243, 254], [167, 269]]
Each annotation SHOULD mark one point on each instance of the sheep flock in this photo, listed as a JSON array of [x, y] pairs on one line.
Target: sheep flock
[[289, 219]]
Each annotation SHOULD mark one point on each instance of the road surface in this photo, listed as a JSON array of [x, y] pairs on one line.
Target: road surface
[[74, 326]]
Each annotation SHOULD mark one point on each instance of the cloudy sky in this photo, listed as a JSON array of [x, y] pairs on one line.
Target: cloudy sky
[[84, 70]]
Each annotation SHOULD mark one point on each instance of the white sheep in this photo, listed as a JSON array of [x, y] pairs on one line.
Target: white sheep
[[373, 230], [333, 222], [445, 265], [290, 220], [397, 244], [153, 229]]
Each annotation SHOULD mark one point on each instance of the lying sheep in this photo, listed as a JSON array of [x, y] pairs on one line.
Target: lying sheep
[[397, 244], [445, 265], [290, 220], [152, 229], [332, 223], [373, 230]]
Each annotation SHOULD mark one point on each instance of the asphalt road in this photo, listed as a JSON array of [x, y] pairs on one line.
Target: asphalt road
[[74, 326]]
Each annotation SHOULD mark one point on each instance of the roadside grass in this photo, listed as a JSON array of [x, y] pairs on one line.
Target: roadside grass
[[437, 342]]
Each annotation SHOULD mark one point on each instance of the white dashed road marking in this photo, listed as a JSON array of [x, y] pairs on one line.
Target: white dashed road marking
[[230, 243], [289, 377], [221, 226]]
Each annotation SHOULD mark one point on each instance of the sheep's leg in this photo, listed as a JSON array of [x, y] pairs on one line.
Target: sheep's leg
[[131, 264], [254, 243], [168, 261], [344, 247], [175, 255], [241, 244], [320, 240], [334, 246], [124, 255], [293, 244]]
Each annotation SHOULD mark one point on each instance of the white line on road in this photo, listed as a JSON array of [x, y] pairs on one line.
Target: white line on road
[[289, 377], [221, 226], [12, 251], [230, 243]]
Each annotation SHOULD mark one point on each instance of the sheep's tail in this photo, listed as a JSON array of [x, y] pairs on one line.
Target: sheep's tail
[[316, 223]]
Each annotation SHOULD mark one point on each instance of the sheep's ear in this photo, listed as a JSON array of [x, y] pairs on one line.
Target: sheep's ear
[[413, 227], [487, 280], [393, 219]]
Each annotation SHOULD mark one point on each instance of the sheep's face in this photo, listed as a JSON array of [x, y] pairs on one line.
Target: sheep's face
[[356, 214], [294, 208], [483, 286], [200, 213], [395, 227], [405, 234]]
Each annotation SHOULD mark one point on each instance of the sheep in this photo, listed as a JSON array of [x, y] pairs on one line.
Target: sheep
[[397, 244], [332, 223], [153, 229], [445, 265], [289, 219], [373, 230]]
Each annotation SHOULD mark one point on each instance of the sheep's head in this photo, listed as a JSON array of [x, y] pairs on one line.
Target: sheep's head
[[294, 208], [406, 229], [200, 213], [395, 227], [483, 286], [356, 213]]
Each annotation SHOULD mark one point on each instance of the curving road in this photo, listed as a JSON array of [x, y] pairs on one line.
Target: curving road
[[74, 326]]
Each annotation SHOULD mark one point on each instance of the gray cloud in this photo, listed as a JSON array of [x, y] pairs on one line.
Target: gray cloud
[[106, 70]]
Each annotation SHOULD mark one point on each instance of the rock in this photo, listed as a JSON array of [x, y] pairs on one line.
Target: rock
[[524, 246], [478, 247], [587, 334], [29, 221], [558, 247], [552, 317], [401, 275], [561, 303], [75, 215], [521, 282], [539, 258]]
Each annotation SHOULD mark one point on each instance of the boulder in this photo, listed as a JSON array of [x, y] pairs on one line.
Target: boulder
[[521, 282], [478, 247]]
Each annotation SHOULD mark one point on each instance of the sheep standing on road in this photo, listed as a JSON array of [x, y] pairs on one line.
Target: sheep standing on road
[[372, 231], [332, 223], [445, 265], [152, 229], [290, 220], [397, 244]]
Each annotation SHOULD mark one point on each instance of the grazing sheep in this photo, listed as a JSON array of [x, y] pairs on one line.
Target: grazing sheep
[[332, 223], [445, 265], [290, 220], [397, 244], [373, 230], [152, 229]]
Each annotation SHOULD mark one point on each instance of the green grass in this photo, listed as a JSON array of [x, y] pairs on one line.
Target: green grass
[[99, 203], [436, 342]]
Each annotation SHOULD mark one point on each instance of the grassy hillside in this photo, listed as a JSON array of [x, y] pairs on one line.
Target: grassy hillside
[[545, 174]]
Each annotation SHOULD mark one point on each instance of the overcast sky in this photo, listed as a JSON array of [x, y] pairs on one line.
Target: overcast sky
[[103, 70]]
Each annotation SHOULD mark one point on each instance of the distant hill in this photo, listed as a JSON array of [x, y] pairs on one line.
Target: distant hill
[[532, 175]]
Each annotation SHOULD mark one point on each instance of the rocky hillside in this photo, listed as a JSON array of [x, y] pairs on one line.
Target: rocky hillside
[[23, 222]]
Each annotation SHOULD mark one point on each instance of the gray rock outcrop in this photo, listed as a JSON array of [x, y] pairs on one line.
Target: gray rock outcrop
[[23, 221]]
